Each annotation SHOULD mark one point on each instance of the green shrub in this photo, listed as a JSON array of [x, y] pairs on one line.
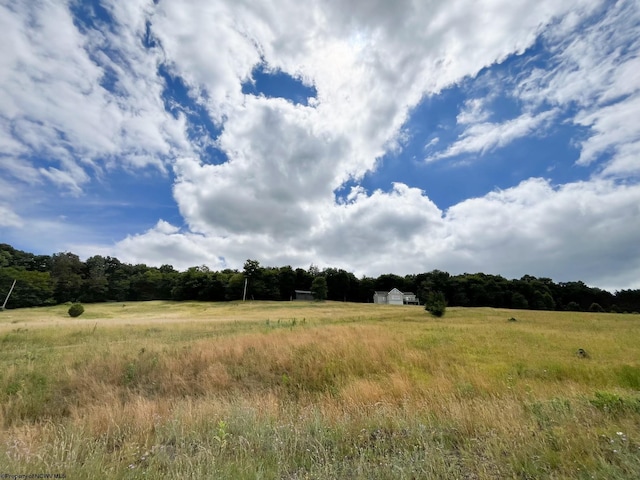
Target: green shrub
[[76, 310], [596, 307], [319, 289], [436, 304], [615, 404]]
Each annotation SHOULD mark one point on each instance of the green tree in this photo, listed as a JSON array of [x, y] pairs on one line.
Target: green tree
[[235, 287], [119, 277], [389, 281], [543, 301], [628, 300], [519, 301], [434, 281], [259, 284], [286, 282], [319, 288], [303, 279], [338, 284], [66, 271], [151, 284], [252, 268], [33, 289], [366, 287], [436, 304], [192, 284], [216, 286], [269, 284], [572, 307], [95, 282]]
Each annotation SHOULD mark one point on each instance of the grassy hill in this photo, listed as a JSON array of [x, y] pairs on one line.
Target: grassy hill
[[318, 390]]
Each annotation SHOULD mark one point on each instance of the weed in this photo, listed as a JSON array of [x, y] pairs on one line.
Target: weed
[[222, 435], [615, 404], [129, 375]]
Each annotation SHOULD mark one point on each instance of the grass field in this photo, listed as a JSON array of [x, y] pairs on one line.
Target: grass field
[[318, 390]]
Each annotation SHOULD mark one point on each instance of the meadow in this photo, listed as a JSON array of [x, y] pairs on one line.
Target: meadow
[[296, 390]]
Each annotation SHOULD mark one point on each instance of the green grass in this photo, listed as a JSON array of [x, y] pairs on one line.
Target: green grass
[[318, 390]]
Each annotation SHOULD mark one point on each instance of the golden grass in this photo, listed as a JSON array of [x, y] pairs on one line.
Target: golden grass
[[318, 390]]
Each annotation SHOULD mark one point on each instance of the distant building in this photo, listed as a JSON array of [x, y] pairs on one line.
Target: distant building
[[395, 297], [303, 295], [410, 298]]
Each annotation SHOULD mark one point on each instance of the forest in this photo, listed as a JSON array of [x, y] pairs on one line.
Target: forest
[[63, 277]]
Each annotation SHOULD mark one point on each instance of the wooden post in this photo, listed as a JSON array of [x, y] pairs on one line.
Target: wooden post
[[8, 295]]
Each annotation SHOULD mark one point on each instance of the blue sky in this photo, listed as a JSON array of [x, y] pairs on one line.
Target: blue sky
[[374, 136]]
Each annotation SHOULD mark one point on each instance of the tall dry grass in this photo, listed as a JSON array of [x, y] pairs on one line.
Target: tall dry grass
[[271, 390]]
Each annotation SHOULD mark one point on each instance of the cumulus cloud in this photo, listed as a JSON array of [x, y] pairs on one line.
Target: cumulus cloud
[[80, 101], [57, 108], [166, 242], [580, 230], [584, 230], [369, 63]]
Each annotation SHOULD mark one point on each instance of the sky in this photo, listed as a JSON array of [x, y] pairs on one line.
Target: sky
[[495, 136]]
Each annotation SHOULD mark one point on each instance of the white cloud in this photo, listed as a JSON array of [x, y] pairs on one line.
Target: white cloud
[[164, 242], [54, 107], [485, 137], [8, 218], [614, 129], [593, 63], [371, 63], [596, 69], [474, 111], [166, 228], [582, 231], [595, 57], [432, 143], [20, 171], [285, 161]]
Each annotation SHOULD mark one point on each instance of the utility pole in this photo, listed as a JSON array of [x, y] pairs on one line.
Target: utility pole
[[8, 295]]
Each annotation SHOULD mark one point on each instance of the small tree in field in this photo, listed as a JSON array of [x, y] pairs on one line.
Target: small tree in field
[[436, 304], [76, 310], [319, 288]]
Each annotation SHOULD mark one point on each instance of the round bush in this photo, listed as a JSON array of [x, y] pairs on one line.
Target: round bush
[[76, 310], [596, 307], [436, 304]]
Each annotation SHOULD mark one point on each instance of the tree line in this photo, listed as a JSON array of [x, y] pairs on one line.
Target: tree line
[[63, 277]]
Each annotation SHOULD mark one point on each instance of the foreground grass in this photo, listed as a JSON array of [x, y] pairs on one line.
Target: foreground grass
[[331, 390]]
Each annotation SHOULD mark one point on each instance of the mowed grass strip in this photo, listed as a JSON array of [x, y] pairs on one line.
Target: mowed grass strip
[[318, 390]]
